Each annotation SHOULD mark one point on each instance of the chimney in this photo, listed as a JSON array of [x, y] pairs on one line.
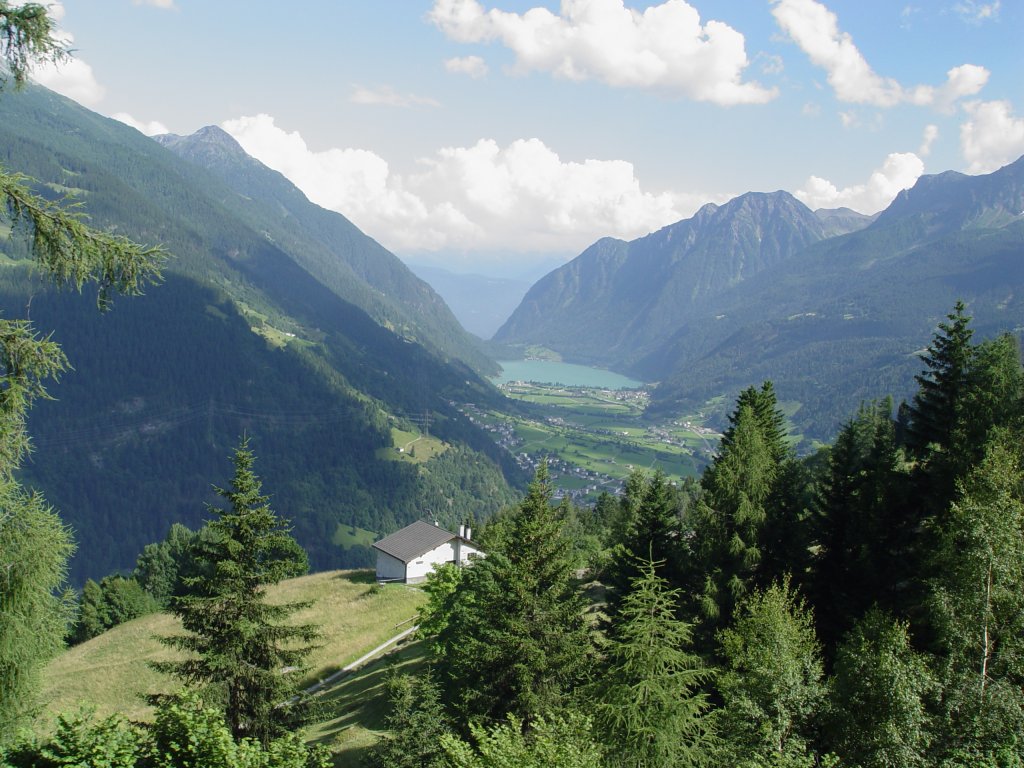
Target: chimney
[[462, 531], [469, 533]]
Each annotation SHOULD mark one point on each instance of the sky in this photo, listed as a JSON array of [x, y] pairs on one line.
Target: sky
[[493, 136]]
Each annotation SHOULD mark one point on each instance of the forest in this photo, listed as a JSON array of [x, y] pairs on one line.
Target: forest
[[862, 606]]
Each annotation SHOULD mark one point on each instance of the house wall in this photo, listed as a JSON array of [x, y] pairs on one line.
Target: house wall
[[420, 568], [389, 568], [465, 551]]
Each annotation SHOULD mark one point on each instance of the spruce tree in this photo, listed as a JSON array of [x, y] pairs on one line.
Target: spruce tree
[[860, 533], [728, 521], [935, 407], [647, 701], [654, 534], [517, 640], [237, 642], [416, 723]]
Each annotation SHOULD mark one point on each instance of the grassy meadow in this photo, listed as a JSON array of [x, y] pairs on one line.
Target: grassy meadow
[[111, 672]]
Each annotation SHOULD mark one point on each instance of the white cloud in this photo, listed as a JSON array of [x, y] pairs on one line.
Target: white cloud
[[73, 77], [992, 136], [387, 96], [473, 66], [522, 196], [815, 29], [165, 4], [931, 133], [974, 12], [152, 128], [899, 171], [663, 48]]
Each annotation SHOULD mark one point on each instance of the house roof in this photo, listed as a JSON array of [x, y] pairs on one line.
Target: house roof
[[414, 540]]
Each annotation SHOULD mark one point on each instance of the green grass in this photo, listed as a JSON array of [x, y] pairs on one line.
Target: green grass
[[352, 710], [111, 672], [413, 447], [346, 537]]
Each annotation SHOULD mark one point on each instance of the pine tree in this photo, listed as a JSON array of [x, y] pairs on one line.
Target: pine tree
[[34, 615], [654, 534], [517, 640], [416, 723], [647, 700], [238, 642]]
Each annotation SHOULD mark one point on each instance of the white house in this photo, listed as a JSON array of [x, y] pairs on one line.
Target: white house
[[410, 554]]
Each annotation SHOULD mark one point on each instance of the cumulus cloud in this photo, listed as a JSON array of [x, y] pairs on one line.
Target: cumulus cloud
[[473, 66], [486, 196], [663, 48], [899, 171], [388, 97], [815, 29], [152, 128], [991, 137]]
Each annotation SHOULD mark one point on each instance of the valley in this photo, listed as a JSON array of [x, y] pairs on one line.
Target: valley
[[593, 438]]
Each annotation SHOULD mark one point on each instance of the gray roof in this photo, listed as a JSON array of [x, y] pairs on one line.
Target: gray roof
[[414, 540]]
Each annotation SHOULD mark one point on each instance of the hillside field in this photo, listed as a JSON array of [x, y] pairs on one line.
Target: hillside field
[[112, 673]]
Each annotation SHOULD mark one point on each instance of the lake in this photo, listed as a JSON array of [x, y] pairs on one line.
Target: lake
[[566, 374]]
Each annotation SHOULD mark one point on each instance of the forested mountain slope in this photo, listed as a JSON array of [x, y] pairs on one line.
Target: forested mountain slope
[[329, 246], [842, 321], [241, 337], [830, 305], [618, 301]]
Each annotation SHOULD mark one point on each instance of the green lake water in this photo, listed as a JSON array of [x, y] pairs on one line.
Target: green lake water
[[566, 374]]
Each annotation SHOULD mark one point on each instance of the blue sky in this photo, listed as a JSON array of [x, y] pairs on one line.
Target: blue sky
[[483, 135]]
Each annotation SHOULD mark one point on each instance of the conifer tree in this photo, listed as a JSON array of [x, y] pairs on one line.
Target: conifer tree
[[653, 534], [935, 407], [860, 535], [416, 723], [238, 642], [34, 544], [517, 641], [728, 520], [647, 701]]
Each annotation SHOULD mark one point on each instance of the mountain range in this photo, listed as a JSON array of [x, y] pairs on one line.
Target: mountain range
[[830, 305], [275, 319]]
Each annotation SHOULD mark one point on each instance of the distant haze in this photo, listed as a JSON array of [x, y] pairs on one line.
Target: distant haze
[[480, 302]]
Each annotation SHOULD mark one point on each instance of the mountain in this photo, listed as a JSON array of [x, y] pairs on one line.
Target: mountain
[[832, 306], [617, 302], [481, 303], [257, 329], [330, 247]]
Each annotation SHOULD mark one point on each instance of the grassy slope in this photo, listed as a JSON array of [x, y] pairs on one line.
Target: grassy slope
[[110, 672]]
